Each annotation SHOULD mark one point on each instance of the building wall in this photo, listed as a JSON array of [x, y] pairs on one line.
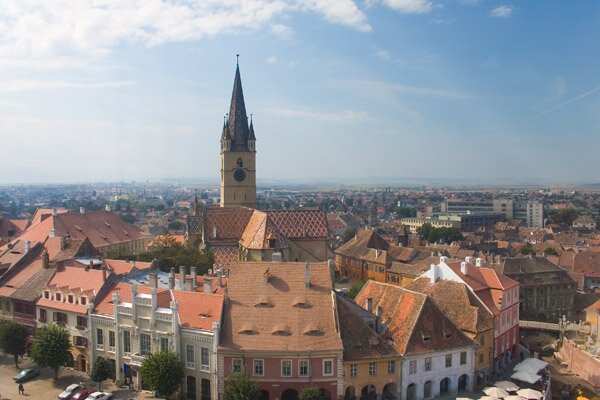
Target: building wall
[[308, 249], [383, 378], [438, 372], [234, 193], [580, 362], [6, 309], [547, 303]]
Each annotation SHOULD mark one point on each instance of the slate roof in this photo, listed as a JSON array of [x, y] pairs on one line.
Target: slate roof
[[530, 271], [270, 309], [414, 322], [236, 128], [31, 289]]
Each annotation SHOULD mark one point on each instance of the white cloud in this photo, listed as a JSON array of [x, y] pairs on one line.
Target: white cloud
[[410, 6], [502, 11], [40, 30], [29, 85], [341, 117], [271, 60], [282, 31], [383, 55]]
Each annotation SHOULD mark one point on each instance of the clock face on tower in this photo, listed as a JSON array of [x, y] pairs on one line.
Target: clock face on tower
[[239, 175]]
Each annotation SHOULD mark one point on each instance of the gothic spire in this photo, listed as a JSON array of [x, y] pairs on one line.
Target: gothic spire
[[237, 126], [251, 136]]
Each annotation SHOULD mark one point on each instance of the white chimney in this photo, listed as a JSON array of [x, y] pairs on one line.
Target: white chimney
[[27, 246], [54, 212], [220, 278], [181, 277], [307, 274], [214, 232], [107, 207], [172, 279], [81, 210], [478, 262], [153, 280], [207, 285], [443, 259], [433, 273], [377, 253], [194, 273], [369, 304], [52, 233], [469, 260], [464, 268]]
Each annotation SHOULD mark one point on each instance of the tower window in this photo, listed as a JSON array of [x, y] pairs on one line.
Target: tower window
[[240, 163]]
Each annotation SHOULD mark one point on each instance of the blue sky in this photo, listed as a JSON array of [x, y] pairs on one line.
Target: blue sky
[[462, 89]]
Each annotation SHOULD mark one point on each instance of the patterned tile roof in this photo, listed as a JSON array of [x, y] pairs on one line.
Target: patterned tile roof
[[301, 224], [260, 230], [226, 224], [225, 255]]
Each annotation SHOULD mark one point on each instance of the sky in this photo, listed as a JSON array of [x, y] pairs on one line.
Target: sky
[[481, 90]]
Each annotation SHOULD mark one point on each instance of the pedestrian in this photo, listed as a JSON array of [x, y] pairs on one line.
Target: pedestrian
[[21, 388]]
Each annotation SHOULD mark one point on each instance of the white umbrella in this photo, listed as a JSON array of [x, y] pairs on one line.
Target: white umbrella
[[495, 392], [530, 394], [532, 364], [463, 398], [526, 376], [506, 385], [488, 398], [514, 397]]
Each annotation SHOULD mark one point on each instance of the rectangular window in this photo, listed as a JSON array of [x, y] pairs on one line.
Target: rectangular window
[[391, 367], [286, 368], [43, 315], [372, 368], [99, 339], [463, 358], [46, 294], [60, 318], [412, 367], [353, 369], [303, 368], [481, 358], [81, 322], [82, 300], [111, 340], [70, 298], [236, 365], [448, 360], [427, 366], [144, 344], [57, 297], [204, 359], [164, 344], [327, 367], [190, 361], [126, 342], [259, 367]]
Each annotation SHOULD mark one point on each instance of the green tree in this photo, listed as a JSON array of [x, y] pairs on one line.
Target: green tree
[[13, 339], [442, 234], [100, 371], [51, 347], [549, 251], [312, 393], [163, 372], [527, 249], [239, 386], [172, 254], [356, 288], [348, 234]]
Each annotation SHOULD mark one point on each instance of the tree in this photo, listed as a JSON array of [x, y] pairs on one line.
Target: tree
[[356, 288], [311, 393], [51, 347], [172, 254], [13, 339], [239, 386], [100, 371], [550, 251], [441, 234], [163, 372], [348, 234], [527, 249]]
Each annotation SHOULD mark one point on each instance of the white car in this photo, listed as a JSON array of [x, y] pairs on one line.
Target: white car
[[68, 392], [100, 396]]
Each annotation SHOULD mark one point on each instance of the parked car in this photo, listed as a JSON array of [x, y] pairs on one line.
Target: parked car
[[81, 394], [100, 396], [68, 392], [26, 374]]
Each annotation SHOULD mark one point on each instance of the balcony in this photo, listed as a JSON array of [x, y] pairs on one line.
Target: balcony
[[137, 360]]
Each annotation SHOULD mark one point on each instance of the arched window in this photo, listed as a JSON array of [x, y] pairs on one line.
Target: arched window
[[240, 163]]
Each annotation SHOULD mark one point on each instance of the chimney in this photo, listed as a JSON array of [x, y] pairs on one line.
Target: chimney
[[207, 285], [188, 284], [377, 253], [214, 232], [81, 210], [478, 262], [27, 246], [433, 273], [355, 237], [307, 274], [172, 279], [277, 256], [194, 274], [54, 212], [181, 277], [469, 260], [153, 280], [104, 273], [220, 278], [91, 266], [86, 267], [52, 232], [464, 268], [45, 259], [369, 304], [107, 207], [443, 259]]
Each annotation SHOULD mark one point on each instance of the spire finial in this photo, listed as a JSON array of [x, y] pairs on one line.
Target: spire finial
[[237, 61], [250, 118]]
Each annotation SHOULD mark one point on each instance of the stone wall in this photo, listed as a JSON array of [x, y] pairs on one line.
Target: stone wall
[[581, 362]]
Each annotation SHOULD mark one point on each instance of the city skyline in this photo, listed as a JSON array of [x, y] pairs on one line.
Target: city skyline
[[415, 89]]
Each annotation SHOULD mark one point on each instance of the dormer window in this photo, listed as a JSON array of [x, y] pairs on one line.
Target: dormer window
[[426, 338], [57, 297], [83, 300], [302, 304], [313, 332], [272, 243], [204, 315], [46, 294], [70, 298], [248, 332]]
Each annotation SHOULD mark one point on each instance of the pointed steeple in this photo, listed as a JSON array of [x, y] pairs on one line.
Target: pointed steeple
[[251, 137], [237, 125]]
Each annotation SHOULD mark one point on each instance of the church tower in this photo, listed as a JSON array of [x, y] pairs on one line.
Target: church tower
[[238, 153]]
